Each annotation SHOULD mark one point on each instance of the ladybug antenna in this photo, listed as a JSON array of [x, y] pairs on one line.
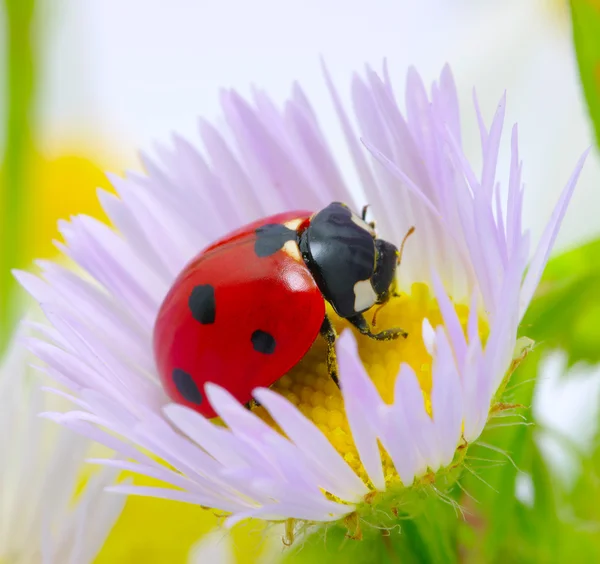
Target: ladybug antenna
[[408, 234], [363, 215]]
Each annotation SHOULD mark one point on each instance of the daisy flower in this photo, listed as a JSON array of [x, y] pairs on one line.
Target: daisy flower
[[45, 514], [406, 410]]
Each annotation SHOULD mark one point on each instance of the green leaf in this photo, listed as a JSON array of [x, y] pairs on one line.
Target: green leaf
[[586, 36], [565, 311]]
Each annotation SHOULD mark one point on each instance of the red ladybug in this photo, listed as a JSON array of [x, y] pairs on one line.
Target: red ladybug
[[248, 307]]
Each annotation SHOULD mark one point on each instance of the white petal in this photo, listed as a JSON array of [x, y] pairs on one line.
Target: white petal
[[363, 405]]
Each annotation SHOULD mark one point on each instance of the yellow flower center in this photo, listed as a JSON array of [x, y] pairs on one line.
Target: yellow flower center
[[309, 386]]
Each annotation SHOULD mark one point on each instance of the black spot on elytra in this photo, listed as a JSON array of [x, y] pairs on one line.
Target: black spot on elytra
[[263, 342], [271, 238], [202, 304], [186, 386]]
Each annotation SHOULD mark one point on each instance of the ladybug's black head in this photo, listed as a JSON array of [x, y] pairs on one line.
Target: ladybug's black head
[[353, 269]]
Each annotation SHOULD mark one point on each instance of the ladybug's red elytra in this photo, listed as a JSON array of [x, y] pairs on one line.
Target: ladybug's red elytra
[[248, 307]]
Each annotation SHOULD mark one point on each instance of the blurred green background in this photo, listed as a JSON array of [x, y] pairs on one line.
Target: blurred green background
[[87, 84]]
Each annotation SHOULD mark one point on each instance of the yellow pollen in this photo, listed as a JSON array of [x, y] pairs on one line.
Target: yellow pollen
[[309, 387]]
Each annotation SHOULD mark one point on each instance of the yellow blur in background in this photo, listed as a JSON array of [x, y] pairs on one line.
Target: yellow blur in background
[[60, 186]]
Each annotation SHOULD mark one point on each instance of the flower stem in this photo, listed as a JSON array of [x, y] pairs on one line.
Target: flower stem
[[389, 548], [15, 170]]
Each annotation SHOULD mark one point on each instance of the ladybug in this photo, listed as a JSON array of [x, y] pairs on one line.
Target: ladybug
[[248, 307]]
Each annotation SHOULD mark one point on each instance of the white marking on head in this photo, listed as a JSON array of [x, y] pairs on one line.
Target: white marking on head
[[362, 224], [293, 224], [291, 249], [364, 295]]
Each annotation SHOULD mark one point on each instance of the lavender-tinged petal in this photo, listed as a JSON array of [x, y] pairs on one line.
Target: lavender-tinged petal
[[501, 237], [301, 100], [43, 331], [243, 423], [35, 286], [477, 253], [125, 222], [271, 197], [546, 243], [277, 168], [451, 321], [360, 162], [409, 399], [435, 214], [79, 402], [116, 268], [503, 333], [449, 102], [483, 132], [218, 442], [153, 217], [417, 106], [158, 437], [268, 445], [487, 241], [471, 379], [491, 150], [446, 399], [515, 199], [294, 479], [100, 436], [129, 386], [191, 169], [473, 321], [462, 162], [312, 443], [485, 371], [398, 439], [90, 302], [406, 153], [330, 183], [373, 128], [289, 467], [69, 367], [397, 443], [424, 130], [414, 189], [232, 174]]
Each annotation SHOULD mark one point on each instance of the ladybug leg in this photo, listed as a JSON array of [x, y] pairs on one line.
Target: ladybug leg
[[361, 324], [363, 216], [330, 336]]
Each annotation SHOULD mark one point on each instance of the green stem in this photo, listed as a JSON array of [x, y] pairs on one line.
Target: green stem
[[15, 170], [389, 548]]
